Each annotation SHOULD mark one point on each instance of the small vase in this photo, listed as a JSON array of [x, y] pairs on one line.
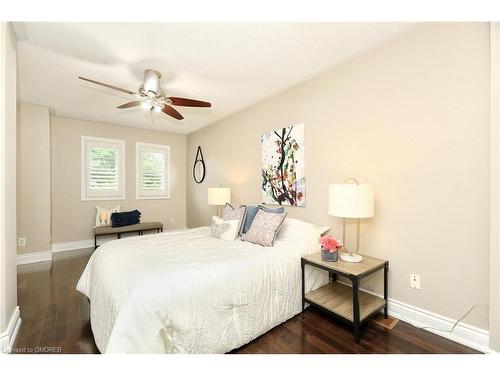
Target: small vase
[[328, 256]]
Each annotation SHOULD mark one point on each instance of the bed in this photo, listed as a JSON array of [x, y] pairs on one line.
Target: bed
[[187, 292]]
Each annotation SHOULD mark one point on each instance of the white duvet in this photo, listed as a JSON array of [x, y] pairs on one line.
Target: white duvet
[[187, 292]]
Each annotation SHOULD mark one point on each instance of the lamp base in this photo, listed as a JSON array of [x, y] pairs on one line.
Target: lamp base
[[351, 258]]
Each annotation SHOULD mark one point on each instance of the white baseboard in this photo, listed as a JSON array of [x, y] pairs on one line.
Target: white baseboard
[[463, 333], [41, 256], [82, 244], [45, 256], [73, 245], [8, 337]]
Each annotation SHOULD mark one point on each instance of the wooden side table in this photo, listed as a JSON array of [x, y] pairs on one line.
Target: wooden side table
[[342, 301]]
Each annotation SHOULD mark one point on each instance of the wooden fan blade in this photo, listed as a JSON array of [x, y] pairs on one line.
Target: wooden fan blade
[[188, 102], [130, 105], [172, 112], [108, 86]]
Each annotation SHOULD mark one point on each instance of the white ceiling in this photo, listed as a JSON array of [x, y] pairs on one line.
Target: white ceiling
[[231, 65]]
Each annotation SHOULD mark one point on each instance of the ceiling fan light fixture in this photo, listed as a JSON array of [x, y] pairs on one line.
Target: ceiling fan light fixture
[[151, 97], [152, 81], [146, 105]]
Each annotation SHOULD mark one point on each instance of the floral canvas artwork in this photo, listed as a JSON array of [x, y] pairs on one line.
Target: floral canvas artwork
[[283, 166]]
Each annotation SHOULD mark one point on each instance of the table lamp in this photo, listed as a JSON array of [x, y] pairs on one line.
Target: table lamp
[[351, 200], [219, 196]]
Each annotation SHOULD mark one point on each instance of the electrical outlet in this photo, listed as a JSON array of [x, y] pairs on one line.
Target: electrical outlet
[[414, 281], [172, 220], [21, 241]]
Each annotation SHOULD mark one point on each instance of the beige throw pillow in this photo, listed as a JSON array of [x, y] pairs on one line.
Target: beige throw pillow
[[103, 216], [239, 214], [265, 227]]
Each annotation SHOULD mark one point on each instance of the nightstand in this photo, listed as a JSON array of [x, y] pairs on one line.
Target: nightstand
[[342, 301]]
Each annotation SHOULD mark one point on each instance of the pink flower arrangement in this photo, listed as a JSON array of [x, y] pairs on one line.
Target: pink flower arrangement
[[330, 243]]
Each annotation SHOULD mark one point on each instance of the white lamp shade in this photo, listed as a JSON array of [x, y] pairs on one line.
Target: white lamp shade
[[219, 196], [351, 200]]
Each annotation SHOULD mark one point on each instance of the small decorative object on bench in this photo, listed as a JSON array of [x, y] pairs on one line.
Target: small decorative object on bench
[[329, 248], [139, 228], [121, 219]]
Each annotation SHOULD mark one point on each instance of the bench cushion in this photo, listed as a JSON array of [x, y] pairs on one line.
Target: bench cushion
[[128, 228]]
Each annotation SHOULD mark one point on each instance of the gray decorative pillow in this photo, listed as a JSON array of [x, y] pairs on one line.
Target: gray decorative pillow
[[231, 213], [265, 227], [275, 210]]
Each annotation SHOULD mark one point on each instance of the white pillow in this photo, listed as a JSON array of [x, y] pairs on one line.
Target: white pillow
[[295, 228], [103, 216], [306, 234], [226, 230]]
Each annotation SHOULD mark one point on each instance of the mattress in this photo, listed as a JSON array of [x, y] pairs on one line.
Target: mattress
[[187, 292]]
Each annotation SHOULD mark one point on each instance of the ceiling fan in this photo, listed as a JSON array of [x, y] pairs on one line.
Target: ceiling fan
[[152, 97]]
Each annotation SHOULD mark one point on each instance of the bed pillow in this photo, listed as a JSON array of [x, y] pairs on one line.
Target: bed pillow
[[239, 214], [264, 228], [303, 233], [251, 212], [295, 228], [103, 215], [276, 210], [226, 230]]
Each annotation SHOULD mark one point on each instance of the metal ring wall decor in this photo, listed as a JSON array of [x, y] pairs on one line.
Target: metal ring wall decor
[[200, 163]]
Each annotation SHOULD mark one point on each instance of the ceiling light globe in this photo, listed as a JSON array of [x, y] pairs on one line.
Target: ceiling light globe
[[146, 105], [157, 109]]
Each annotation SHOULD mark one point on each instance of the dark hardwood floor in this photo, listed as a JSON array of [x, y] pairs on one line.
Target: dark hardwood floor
[[55, 319]]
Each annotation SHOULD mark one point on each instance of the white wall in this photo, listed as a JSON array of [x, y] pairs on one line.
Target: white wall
[[33, 177], [410, 117], [73, 219], [495, 190], [8, 82]]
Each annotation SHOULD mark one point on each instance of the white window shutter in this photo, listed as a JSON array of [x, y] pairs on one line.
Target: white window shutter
[[152, 171], [103, 168]]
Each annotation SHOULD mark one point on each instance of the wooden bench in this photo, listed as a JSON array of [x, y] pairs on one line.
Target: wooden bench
[[139, 228]]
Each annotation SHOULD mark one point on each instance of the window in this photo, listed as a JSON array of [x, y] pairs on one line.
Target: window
[[103, 169], [152, 171]]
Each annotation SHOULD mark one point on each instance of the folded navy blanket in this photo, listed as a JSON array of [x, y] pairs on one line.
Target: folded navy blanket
[[121, 219]]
